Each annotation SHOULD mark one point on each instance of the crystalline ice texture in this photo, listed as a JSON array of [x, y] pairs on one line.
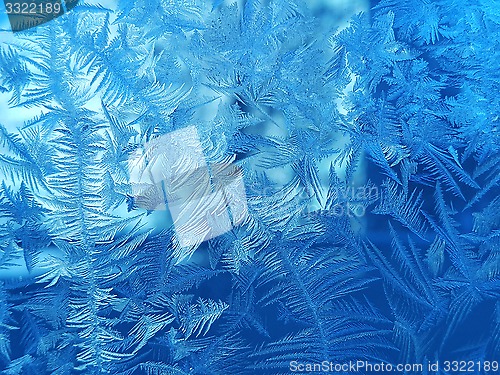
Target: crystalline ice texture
[[171, 171]]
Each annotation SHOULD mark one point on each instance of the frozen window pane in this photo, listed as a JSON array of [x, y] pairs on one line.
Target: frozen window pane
[[171, 172]]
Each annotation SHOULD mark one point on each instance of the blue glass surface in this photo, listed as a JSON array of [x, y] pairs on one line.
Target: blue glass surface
[[250, 187]]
